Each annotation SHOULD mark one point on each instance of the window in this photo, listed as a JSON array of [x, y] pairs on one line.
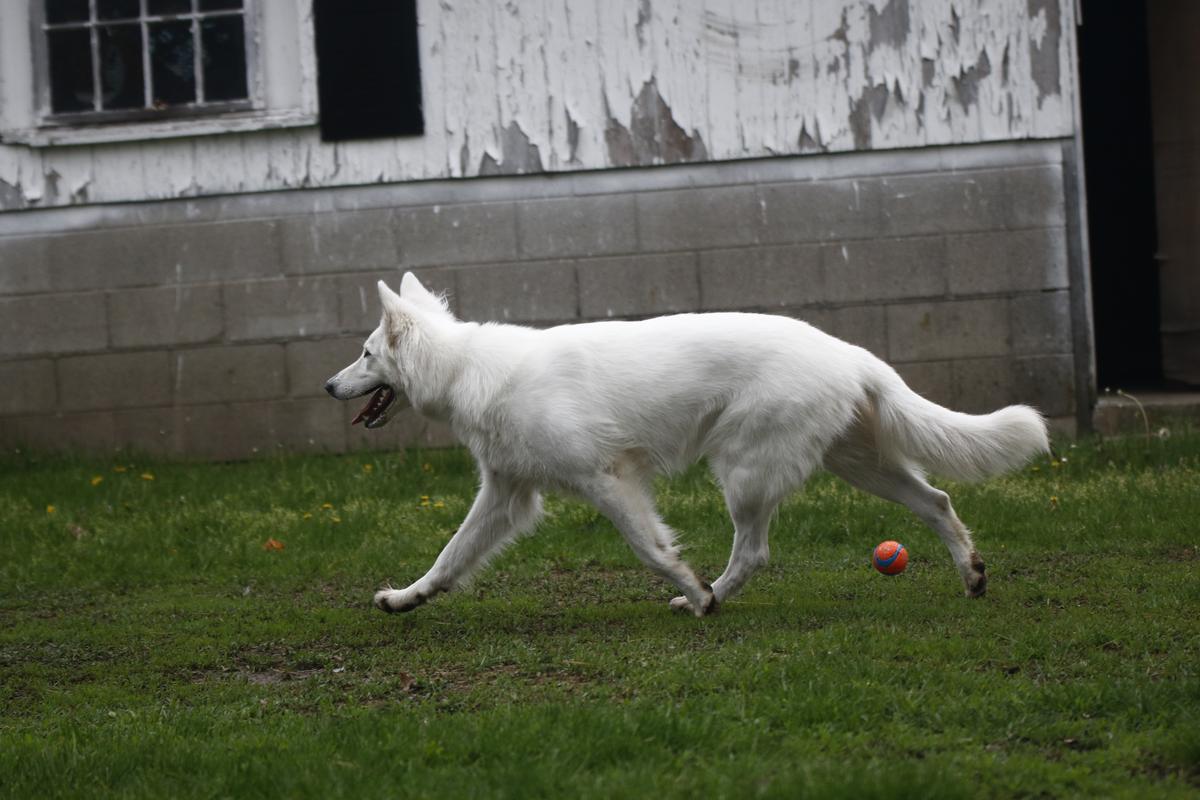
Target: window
[[76, 72], [128, 59]]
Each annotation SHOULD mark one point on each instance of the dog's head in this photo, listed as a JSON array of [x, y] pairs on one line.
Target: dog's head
[[382, 370]]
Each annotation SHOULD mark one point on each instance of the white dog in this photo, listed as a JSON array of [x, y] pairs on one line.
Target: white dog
[[598, 409]]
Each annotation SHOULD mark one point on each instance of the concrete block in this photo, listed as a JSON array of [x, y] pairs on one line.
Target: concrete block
[[160, 255], [24, 265], [147, 431], [1007, 261], [358, 303], [543, 291], [229, 431], [943, 202], [226, 431], [29, 387], [310, 364], [339, 240], [820, 211], [165, 316], [946, 330], [761, 277], [933, 380], [227, 251], [230, 373], [1041, 323], [81, 432], [982, 385], [284, 308], [692, 219], [67, 323], [112, 258], [1036, 197], [638, 285], [884, 269], [865, 326], [819, 318], [577, 226], [1045, 382], [114, 380], [308, 426], [456, 234]]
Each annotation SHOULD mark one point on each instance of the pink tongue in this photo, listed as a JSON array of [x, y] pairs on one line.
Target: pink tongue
[[366, 411]]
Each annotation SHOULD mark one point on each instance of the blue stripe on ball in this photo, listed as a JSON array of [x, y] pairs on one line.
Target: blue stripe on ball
[[887, 562]]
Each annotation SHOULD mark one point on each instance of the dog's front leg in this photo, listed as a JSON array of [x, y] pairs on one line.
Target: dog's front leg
[[502, 509]]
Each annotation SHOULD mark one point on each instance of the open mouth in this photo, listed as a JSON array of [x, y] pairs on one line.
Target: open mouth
[[374, 413]]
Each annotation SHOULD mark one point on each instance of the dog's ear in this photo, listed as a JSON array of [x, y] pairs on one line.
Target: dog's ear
[[412, 291], [396, 318], [389, 300]]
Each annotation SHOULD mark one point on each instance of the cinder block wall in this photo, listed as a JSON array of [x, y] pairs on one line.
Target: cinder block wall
[[206, 328]]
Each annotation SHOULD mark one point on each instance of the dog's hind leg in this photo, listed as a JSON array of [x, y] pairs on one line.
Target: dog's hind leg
[[627, 501], [502, 510], [860, 465]]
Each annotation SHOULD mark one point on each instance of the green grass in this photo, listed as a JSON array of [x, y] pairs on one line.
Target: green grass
[[151, 646]]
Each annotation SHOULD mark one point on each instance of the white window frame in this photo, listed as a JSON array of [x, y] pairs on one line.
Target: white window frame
[[281, 79]]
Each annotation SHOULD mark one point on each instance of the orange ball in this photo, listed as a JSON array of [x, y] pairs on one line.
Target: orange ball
[[890, 557]]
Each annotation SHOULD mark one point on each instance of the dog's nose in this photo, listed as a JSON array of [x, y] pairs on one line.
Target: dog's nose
[[330, 388]]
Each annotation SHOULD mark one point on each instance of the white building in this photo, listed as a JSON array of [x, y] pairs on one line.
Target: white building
[[196, 195]]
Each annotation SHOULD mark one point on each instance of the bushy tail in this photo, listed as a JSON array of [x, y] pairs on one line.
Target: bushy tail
[[964, 447]]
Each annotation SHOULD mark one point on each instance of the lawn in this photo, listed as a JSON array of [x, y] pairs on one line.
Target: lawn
[[206, 631]]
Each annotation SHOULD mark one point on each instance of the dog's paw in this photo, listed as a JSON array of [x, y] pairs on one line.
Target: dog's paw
[[681, 604], [977, 587], [976, 581], [398, 600]]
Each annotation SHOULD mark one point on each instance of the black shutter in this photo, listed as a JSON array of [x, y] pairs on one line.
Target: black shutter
[[368, 69]]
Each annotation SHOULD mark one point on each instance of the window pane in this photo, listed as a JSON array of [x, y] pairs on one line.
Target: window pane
[[169, 6], [224, 47], [118, 9], [66, 11], [218, 5], [70, 70], [121, 77], [172, 65]]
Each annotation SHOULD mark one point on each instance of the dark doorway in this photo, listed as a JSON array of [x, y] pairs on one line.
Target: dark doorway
[[1118, 149]]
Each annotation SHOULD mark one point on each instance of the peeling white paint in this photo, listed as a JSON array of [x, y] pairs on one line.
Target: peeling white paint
[[552, 85]]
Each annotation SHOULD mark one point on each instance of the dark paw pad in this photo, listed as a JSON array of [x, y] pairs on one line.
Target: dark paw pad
[[385, 605]]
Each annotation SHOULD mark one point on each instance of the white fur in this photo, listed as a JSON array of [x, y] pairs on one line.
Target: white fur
[[598, 409]]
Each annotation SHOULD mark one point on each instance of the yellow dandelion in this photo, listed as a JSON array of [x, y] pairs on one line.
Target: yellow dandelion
[[1054, 501], [427, 467], [97, 480], [336, 519], [327, 505], [439, 504], [50, 509], [147, 476], [120, 468], [424, 498], [1055, 464], [368, 467], [1035, 468]]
